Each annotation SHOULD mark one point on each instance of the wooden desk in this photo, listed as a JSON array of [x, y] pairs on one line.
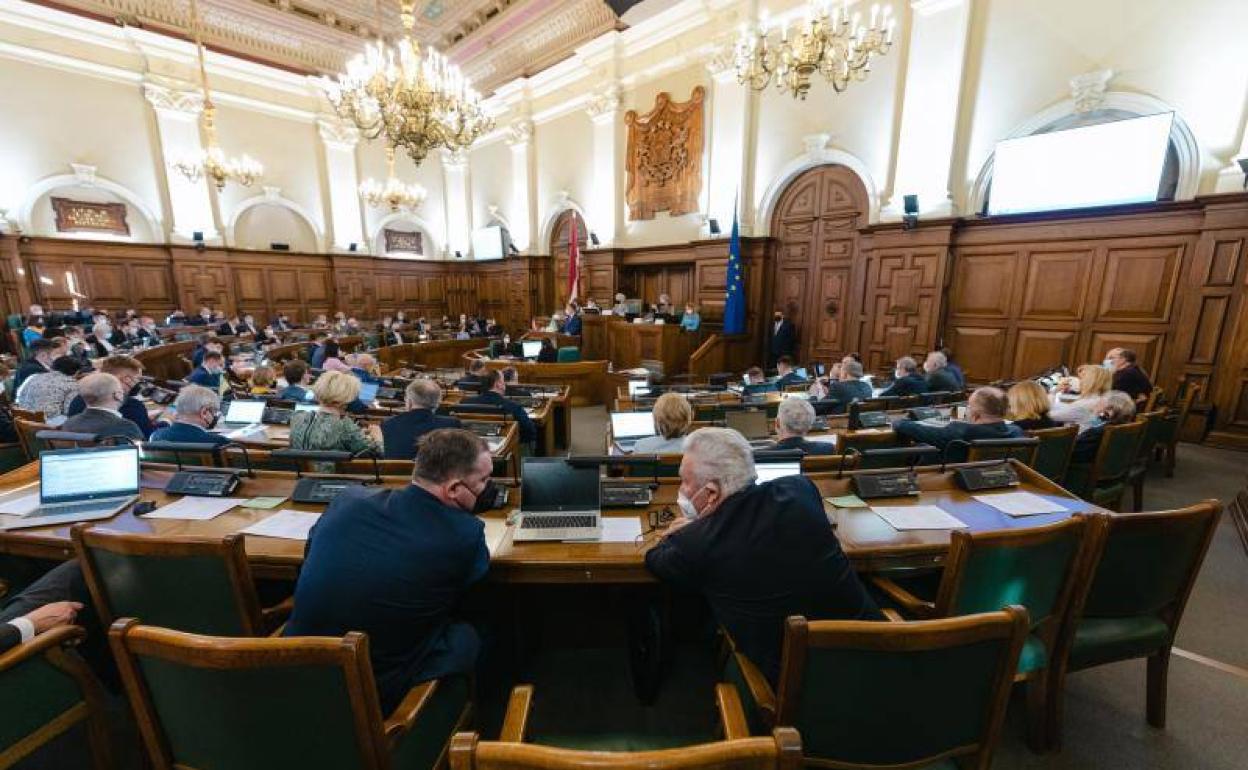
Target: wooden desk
[[431, 354], [587, 381], [270, 437], [553, 419], [669, 343]]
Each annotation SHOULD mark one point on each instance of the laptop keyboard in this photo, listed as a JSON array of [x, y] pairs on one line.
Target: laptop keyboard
[[530, 521]]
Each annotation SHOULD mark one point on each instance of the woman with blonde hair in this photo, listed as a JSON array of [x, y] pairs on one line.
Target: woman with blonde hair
[[1029, 406], [672, 417], [329, 427], [1094, 382], [263, 380]]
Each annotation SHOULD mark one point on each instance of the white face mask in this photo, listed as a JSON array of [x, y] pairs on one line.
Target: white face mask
[[1108, 364], [686, 506]]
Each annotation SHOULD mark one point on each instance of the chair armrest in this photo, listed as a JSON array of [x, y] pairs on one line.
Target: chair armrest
[[516, 721], [276, 616], [731, 715], [407, 712], [892, 615], [760, 688], [56, 637], [910, 603]]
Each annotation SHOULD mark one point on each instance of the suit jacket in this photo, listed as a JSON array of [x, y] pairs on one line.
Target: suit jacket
[[132, 409], [392, 338], [942, 379], [316, 359], [393, 563], [102, 423], [955, 431], [958, 375], [294, 393], [184, 432], [765, 554], [572, 327], [783, 340], [845, 391], [910, 385], [400, 432], [547, 355], [792, 378], [210, 380], [226, 330], [528, 429], [808, 447]]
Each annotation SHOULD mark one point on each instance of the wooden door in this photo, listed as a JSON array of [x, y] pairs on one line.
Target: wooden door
[[816, 230]]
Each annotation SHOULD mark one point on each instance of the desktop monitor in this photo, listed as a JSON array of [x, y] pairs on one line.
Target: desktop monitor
[[530, 348]]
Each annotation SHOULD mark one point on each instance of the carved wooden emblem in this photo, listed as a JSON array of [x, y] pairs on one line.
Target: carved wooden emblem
[[403, 240], [664, 159], [76, 216]]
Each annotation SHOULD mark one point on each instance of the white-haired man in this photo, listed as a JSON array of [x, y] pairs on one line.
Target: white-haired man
[[758, 552], [939, 377], [794, 420]]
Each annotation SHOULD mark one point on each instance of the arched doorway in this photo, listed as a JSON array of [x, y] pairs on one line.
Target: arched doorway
[[816, 264], [560, 236]]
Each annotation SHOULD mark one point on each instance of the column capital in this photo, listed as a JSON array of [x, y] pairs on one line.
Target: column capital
[[603, 105], [337, 134], [519, 134], [173, 101]]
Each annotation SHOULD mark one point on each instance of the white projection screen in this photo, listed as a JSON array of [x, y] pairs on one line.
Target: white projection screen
[[1100, 165]]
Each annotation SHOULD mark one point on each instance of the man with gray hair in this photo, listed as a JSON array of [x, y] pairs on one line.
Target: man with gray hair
[[197, 410], [850, 385], [401, 433], [793, 421], [103, 394], [906, 379], [939, 378], [758, 552]]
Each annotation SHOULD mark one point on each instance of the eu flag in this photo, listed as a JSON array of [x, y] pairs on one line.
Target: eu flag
[[734, 302]]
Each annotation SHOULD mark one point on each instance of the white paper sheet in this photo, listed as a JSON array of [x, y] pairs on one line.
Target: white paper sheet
[[620, 529], [1021, 503], [20, 505], [904, 517], [195, 508], [285, 524], [822, 438]]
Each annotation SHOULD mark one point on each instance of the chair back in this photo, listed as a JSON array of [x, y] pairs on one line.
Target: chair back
[[250, 704], [922, 691], [63, 439], [827, 463], [568, 355], [181, 453], [1154, 398], [1116, 453], [666, 466], [1154, 426], [1022, 449], [782, 750], [27, 436], [198, 586], [863, 441], [1054, 451]]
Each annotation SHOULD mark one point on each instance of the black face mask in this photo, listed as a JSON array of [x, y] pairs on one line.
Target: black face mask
[[485, 500], [216, 417]]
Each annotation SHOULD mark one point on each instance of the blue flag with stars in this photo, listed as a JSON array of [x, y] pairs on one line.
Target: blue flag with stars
[[734, 296]]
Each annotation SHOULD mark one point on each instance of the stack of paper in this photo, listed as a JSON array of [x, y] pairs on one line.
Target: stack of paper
[[195, 508], [904, 517], [1021, 503], [285, 524], [620, 529]]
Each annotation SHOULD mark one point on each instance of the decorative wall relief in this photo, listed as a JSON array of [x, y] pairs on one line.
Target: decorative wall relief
[[664, 157], [78, 216], [404, 241]]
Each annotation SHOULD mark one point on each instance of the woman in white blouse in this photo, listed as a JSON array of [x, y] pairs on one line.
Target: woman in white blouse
[[672, 417], [1094, 382]]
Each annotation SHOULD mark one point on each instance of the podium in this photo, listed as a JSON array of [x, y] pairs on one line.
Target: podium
[[669, 343]]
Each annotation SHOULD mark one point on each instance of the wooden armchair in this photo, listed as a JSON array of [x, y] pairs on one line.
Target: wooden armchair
[[1054, 451], [1104, 480], [781, 751]]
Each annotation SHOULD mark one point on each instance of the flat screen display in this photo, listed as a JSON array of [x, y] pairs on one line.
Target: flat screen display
[[488, 242], [531, 348]]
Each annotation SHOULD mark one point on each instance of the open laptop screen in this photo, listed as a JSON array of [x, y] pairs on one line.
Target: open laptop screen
[[531, 348], [632, 424], [245, 412], [87, 474], [553, 484], [752, 424], [773, 471], [368, 392]]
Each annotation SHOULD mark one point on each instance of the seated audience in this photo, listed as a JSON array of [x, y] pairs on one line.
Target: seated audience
[[411, 555], [493, 393], [907, 380], [210, 373], [754, 573], [51, 392], [204, 318], [249, 327], [472, 378], [364, 366], [104, 394], [263, 380], [297, 377], [33, 329], [672, 417], [849, 387], [939, 377], [591, 307], [129, 371], [953, 368], [319, 350], [208, 342], [787, 376], [985, 419], [392, 334], [42, 353], [794, 419], [691, 321], [282, 323], [1128, 377], [1093, 382], [1029, 406], [196, 412], [1115, 408], [401, 432], [329, 427], [620, 307], [231, 327]]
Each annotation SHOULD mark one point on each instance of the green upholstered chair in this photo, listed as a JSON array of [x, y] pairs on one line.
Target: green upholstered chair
[[1104, 480], [12, 456], [1053, 454], [782, 750], [928, 693], [45, 689], [194, 585], [568, 355], [1022, 449], [1140, 570], [1154, 423], [1036, 568], [214, 703]]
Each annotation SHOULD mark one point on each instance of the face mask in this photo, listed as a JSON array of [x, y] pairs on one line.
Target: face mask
[[486, 499], [1108, 364], [216, 416], [686, 506]]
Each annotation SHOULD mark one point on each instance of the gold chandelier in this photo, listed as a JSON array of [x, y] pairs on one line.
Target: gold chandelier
[[832, 43], [417, 100], [212, 160], [393, 193]]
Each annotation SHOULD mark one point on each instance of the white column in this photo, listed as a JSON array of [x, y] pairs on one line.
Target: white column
[[458, 205], [605, 207], [938, 38], [523, 184], [730, 172], [342, 172], [177, 118]]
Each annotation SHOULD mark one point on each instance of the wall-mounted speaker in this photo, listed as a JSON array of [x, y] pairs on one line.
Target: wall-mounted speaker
[[280, 246]]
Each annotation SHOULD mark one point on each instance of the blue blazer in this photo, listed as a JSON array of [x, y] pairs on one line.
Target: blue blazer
[[201, 376], [400, 432], [295, 393], [572, 327], [183, 432], [393, 563], [528, 428], [910, 385]]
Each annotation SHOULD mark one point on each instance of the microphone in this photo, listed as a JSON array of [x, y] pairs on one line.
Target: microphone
[[840, 470], [251, 473], [372, 454]]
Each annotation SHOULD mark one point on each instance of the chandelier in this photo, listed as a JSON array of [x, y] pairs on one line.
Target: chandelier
[[832, 43], [394, 194], [212, 161], [417, 100]]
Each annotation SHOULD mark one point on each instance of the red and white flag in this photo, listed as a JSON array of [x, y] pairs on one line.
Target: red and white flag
[[574, 261]]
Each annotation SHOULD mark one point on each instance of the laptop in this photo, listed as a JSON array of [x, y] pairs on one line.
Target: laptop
[[751, 423], [83, 485], [770, 471], [244, 413], [638, 388], [368, 392], [559, 501], [627, 428], [530, 348]]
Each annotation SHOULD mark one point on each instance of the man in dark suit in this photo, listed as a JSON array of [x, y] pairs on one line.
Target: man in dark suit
[[401, 432], [572, 326], [908, 381], [198, 410], [319, 351], [986, 410], [210, 373], [412, 554], [1129, 377], [758, 552], [204, 318], [295, 372], [471, 381], [393, 335], [794, 419], [42, 353], [492, 394], [104, 395], [249, 327], [783, 338], [939, 378], [784, 367], [231, 328], [850, 386], [129, 372], [282, 323]]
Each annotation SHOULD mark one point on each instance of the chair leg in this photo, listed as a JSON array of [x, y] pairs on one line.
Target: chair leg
[[1137, 494], [1158, 675], [1037, 713], [100, 741]]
